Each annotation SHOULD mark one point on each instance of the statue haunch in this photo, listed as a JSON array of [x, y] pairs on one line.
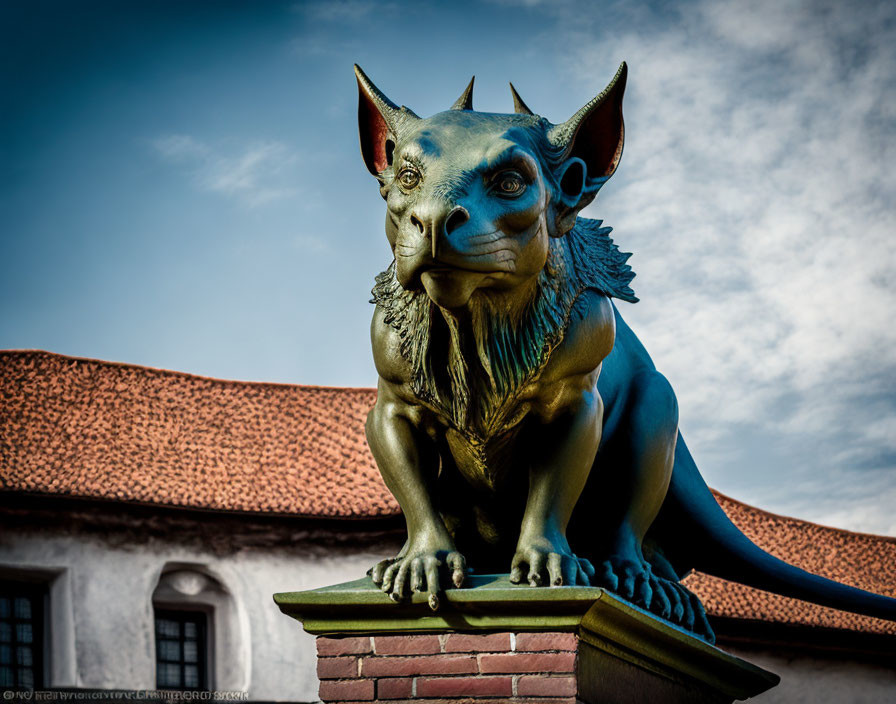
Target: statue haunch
[[519, 422]]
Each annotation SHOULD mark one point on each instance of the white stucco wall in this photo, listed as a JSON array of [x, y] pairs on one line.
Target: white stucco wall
[[813, 680], [110, 590]]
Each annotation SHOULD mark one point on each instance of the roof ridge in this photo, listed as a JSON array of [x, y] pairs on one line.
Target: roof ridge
[[174, 372], [834, 529]]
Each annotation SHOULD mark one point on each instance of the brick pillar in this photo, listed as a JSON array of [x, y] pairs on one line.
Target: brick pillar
[[524, 668]]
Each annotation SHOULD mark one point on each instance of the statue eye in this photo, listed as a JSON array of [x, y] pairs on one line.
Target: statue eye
[[409, 177], [510, 183]]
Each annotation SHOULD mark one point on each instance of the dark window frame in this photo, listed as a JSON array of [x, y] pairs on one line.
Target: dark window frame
[[38, 593], [203, 659]]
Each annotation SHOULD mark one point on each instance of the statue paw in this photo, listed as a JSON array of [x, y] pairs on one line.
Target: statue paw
[[682, 607], [423, 571], [547, 567], [634, 580]]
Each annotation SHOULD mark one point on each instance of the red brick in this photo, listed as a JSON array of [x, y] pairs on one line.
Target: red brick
[[464, 686], [337, 668], [541, 686], [394, 687], [424, 665], [343, 646], [536, 642], [341, 690], [528, 662], [406, 645], [470, 643]]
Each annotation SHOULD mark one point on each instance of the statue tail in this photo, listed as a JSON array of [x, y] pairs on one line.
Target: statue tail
[[697, 534]]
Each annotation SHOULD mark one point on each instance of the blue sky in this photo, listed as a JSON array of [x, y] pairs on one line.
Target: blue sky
[[182, 189]]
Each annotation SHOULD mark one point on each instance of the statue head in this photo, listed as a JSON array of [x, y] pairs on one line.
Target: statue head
[[473, 199]]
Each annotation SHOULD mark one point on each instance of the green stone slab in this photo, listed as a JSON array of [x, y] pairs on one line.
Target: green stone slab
[[487, 602]]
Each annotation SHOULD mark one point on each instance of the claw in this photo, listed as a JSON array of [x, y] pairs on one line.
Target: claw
[[459, 564], [376, 572], [607, 577], [555, 569], [644, 592], [386, 584], [677, 612], [581, 578], [627, 589], [417, 576], [660, 598]]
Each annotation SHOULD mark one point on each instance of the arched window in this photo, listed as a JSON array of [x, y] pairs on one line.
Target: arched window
[[199, 639]]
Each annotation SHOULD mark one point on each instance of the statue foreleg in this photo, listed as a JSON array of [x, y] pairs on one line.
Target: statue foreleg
[[408, 462], [562, 453]]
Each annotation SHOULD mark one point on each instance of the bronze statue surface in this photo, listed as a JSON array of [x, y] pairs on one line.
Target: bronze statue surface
[[519, 422]]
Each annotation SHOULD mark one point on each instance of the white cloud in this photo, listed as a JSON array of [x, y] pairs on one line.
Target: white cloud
[[253, 174], [759, 202]]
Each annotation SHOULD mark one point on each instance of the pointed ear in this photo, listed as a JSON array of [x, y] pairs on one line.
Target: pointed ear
[[596, 133], [379, 119]]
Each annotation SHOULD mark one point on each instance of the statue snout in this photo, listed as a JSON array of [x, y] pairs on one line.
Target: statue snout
[[439, 238], [437, 221]]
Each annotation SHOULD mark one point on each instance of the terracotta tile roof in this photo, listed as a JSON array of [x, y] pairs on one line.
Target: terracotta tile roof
[[861, 560], [86, 428]]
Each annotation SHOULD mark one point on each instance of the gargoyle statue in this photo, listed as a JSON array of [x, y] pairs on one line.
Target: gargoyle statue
[[519, 422]]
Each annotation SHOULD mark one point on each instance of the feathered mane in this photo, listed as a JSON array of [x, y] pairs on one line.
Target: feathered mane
[[473, 384]]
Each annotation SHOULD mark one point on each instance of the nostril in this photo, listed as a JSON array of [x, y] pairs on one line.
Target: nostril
[[457, 218], [415, 221]]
